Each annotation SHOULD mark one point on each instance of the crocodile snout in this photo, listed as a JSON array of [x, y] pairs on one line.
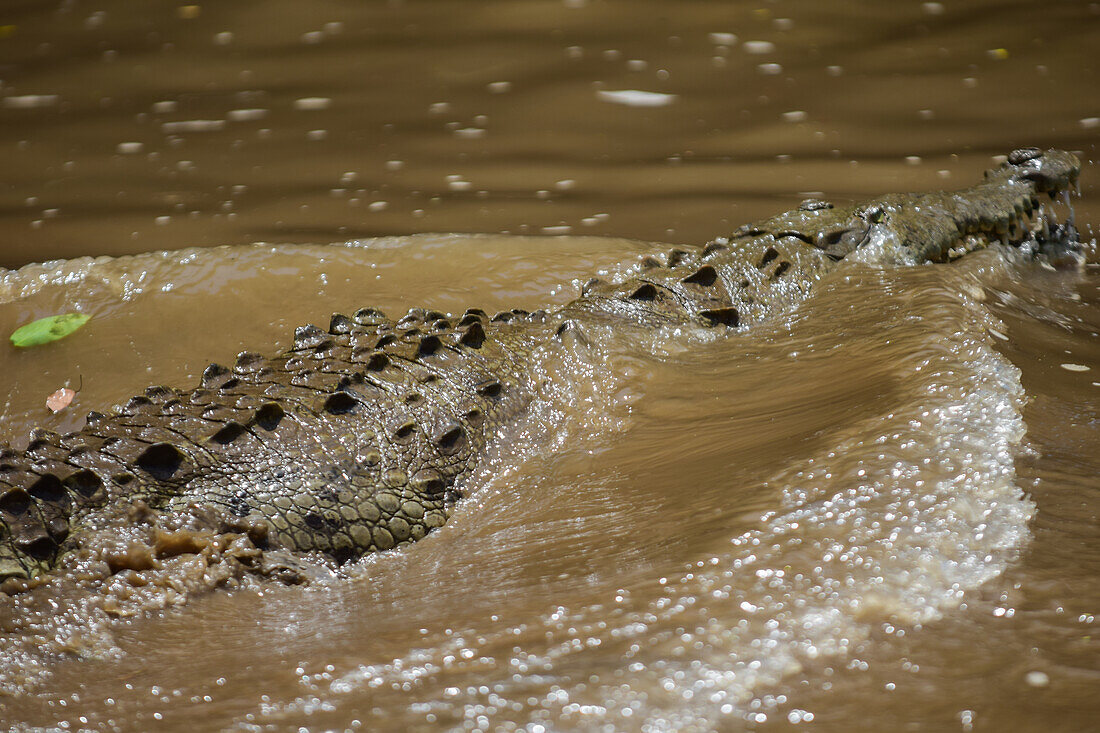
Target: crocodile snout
[[1052, 170]]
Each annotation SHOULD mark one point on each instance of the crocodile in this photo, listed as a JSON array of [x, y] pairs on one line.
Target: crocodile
[[359, 437]]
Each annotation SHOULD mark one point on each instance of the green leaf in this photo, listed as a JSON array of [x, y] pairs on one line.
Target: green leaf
[[50, 328]]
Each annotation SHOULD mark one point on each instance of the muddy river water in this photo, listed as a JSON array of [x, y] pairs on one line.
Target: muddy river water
[[876, 511]]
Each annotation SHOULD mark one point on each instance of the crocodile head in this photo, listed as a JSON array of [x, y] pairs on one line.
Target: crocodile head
[[942, 225]]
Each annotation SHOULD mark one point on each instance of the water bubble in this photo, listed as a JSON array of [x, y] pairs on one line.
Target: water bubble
[[758, 47], [722, 39], [312, 103], [635, 98], [246, 115], [469, 133], [192, 126], [1036, 678], [31, 101]]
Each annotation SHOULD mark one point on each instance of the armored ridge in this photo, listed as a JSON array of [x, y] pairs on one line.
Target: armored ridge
[[359, 438]]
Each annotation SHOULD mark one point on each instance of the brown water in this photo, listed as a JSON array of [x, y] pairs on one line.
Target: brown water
[[876, 512]]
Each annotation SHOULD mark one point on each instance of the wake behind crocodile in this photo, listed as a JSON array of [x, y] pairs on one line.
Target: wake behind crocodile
[[771, 554]]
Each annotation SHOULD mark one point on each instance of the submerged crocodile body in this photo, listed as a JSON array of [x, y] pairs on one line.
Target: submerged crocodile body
[[359, 437]]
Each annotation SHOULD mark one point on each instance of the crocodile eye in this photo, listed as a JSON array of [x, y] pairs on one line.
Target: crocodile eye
[[875, 215]]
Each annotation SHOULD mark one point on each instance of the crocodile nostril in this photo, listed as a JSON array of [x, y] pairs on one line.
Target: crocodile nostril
[[814, 205], [1023, 155]]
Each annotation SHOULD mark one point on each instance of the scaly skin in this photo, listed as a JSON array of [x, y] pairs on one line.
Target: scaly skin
[[358, 439]]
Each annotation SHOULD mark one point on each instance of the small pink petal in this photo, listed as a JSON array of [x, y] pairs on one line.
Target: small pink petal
[[60, 399]]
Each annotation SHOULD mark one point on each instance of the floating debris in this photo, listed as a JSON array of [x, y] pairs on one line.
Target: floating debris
[[60, 399], [48, 329]]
